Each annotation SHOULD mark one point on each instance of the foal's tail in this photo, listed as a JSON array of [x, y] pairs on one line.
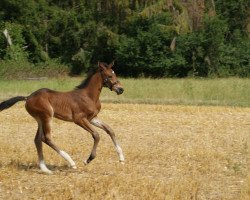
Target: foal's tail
[[8, 103]]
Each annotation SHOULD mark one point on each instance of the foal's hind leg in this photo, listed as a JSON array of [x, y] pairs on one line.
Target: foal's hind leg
[[38, 143], [98, 123], [47, 139]]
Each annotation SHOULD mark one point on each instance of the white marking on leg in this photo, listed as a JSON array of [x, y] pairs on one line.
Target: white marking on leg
[[100, 124], [44, 168], [120, 153], [96, 122], [68, 158]]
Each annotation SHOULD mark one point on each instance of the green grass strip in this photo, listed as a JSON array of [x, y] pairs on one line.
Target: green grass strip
[[223, 92]]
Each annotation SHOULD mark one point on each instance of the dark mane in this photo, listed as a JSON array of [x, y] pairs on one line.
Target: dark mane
[[90, 73]]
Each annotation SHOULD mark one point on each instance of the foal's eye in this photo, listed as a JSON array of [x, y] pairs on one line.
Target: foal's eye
[[110, 76]]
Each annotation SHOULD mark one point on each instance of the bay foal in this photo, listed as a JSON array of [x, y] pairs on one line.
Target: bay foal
[[80, 106]]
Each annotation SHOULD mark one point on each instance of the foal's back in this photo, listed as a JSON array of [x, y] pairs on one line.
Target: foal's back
[[46, 103]]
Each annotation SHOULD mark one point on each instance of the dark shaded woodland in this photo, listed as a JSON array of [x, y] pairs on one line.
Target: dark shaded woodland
[[149, 38]]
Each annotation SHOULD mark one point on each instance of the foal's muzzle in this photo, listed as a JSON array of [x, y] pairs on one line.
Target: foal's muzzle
[[119, 91]]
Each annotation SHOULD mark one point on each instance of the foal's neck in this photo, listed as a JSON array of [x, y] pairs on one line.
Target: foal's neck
[[94, 87]]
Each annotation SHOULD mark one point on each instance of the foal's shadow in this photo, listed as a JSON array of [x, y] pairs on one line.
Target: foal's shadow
[[33, 167]]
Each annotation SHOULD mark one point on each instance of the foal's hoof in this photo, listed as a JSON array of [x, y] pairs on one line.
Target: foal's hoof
[[44, 169], [74, 167], [47, 171], [122, 162], [85, 162]]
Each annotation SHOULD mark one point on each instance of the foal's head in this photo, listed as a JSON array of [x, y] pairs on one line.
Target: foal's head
[[109, 78]]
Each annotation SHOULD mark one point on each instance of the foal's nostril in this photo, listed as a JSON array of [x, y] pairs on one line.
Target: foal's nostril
[[119, 90]]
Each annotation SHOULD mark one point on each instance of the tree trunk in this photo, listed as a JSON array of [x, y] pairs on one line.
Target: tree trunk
[[7, 35]]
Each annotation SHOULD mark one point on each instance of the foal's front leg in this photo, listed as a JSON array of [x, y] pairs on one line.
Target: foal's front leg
[[100, 124], [84, 123]]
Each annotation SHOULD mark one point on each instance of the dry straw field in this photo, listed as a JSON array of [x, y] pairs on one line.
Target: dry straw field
[[172, 152]]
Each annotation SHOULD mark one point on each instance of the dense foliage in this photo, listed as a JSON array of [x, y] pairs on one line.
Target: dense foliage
[[146, 37]]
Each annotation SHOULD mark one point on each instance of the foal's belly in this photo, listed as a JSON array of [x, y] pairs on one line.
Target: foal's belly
[[64, 117]]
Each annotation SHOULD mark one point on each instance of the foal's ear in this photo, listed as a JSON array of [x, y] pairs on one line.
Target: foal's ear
[[111, 64], [101, 65]]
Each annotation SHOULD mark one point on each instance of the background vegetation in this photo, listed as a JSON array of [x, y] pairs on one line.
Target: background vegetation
[[153, 38]]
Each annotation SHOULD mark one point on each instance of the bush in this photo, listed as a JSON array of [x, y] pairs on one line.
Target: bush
[[16, 51], [145, 48], [207, 53], [11, 69]]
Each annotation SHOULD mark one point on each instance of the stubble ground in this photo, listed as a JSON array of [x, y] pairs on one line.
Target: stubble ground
[[171, 152]]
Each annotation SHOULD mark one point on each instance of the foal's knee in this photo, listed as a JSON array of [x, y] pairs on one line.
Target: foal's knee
[[108, 129], [96, 137], [110, 132]]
